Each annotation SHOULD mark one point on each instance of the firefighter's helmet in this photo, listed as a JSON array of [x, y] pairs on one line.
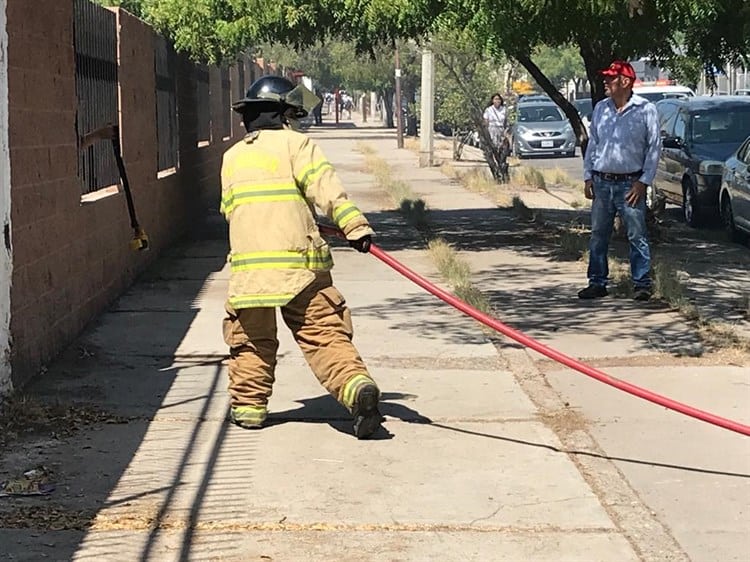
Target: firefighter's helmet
[[275, 90]]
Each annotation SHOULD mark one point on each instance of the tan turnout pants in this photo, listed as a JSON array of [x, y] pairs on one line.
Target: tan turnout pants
[[321, 324]]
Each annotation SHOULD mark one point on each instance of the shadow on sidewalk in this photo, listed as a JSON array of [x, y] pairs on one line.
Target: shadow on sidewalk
[[124, 369], [325, 409], [574, 452]]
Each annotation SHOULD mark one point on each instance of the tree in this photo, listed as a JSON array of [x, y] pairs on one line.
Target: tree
[[466, 80], [602, 30], [561, 65], [713, 32]]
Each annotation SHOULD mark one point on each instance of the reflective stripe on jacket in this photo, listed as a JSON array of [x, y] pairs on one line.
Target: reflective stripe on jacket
[[271, 183]]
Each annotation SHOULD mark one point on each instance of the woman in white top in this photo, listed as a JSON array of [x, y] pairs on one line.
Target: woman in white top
[[494, 119]]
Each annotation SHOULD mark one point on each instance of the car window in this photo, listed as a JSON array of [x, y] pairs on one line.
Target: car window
[[538, 113], [666, 111], [658, 96], [721, 126], [743, 154], [680, 126], [585, 107], [668, 127]]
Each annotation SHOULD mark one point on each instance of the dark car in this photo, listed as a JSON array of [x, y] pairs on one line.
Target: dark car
[[734, 198], [698, 135]]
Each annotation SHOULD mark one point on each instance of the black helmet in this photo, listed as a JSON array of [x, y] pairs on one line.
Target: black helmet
[[272, 90]]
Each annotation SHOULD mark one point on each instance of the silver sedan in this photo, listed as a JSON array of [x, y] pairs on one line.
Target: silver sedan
[[542, 128]]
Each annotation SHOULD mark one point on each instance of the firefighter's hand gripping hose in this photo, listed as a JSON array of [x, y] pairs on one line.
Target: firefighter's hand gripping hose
[[529, 342]]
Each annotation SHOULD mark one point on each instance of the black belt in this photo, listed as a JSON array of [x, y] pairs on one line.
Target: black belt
[[618, 177]]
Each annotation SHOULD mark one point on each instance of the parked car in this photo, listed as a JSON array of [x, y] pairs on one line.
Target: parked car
[[532, 98], [585, 109], [734, 195], [698, 135], [658, 93], [542, 128]]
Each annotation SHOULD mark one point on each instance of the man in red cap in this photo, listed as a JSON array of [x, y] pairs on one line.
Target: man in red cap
[[620, 162]]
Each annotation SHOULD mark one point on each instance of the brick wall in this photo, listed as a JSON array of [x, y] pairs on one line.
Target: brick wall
[[71, 260]]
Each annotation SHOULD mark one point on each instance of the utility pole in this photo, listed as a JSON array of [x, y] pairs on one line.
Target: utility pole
[[427, 103], [399, 117]]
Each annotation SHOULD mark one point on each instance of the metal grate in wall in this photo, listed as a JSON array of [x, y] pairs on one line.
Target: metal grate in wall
[[167, 133], [95, 43]]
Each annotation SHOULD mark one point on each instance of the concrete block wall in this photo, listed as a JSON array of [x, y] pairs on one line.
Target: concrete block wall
[[71, 260]]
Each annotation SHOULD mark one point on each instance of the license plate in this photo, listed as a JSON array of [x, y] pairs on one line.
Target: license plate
[[548, 144]]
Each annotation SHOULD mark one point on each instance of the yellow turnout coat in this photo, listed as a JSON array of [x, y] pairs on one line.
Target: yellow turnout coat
[[271, 183]]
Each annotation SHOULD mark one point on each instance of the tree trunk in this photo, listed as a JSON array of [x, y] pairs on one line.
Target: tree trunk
[[411, 115], [568, 108], [595, 58], [388, 107]]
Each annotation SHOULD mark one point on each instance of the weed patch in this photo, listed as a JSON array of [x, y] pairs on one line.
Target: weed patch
[[531, 177]]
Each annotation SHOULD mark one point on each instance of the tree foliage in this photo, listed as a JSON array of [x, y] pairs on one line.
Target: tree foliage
[[711, 33], [561, 65]]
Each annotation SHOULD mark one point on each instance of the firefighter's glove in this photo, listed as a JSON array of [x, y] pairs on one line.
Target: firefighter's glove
[[362, 244]]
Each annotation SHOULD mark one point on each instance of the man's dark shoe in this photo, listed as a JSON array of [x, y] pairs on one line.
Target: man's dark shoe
[[367, 418], [593, 292], [642, 294]]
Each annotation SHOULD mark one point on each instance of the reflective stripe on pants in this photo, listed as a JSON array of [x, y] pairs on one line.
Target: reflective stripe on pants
[[321, 325]]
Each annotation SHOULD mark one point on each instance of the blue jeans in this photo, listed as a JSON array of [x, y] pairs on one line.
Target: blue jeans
[[609, 198]]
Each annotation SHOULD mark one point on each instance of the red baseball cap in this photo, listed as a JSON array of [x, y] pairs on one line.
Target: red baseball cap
[[619, 68]]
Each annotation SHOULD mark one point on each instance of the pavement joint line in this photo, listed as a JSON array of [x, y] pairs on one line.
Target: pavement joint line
[[648, 536]]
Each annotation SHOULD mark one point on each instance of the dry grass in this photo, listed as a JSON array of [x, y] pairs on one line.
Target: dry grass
[[722, 336], [528, 176], [412, 143], [669, 288], [457, 273], [479, 180], [449, 170], [619, 273], [398, 190], [573, 241], [365, 148], [556, 176]]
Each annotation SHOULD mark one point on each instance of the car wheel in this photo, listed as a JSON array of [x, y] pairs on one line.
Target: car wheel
[[690, 205], [727, 217]]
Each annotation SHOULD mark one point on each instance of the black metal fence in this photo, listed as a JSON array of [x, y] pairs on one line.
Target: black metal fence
[[202, 103], [95, 39], [167, 133], [226, 102]]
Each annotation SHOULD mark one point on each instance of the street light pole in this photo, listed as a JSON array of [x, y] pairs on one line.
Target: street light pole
[[399, 119]]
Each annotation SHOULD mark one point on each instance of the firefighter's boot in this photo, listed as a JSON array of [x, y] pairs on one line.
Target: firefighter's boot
[[361, 395], [248, 417]]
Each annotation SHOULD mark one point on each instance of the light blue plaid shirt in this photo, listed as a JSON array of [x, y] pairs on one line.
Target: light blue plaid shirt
[[625, 142]]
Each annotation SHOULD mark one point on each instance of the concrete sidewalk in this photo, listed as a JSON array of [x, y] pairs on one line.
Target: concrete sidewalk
[[477, 464]]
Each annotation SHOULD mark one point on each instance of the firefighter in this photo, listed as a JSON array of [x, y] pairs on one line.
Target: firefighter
[[272, 181]]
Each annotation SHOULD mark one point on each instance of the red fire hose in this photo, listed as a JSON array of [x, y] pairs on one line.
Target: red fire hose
[[527, 341]]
